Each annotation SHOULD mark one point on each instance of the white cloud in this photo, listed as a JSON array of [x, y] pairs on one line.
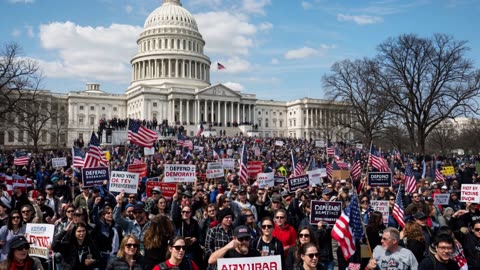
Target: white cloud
[[255, 6], [16, 32], [95, 53], [306, 5], [265, 26], [233, 36], [275, 61], [30, 32], [359, 19], [234, 86], [21, 1], [301, 53], [128, 9]]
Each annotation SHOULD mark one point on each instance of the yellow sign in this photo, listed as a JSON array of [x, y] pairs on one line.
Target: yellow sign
[[448, 170], [107, 155]]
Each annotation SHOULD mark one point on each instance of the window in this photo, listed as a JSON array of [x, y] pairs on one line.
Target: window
[[266, 113], [290, 122], [294, 122], [81, 108], [114, 109], [260, 122], [281, 123], [80, 120], [290, 113], [2, 138], [103, 108], [266, 122], [280, 113], [154, 104], [274, 113], [63, 137], [259, 112], [92, 120], [11, 136], [44, 136], [80, 135], [92, 108]]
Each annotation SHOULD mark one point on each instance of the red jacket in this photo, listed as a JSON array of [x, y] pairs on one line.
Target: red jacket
[[287, 235]]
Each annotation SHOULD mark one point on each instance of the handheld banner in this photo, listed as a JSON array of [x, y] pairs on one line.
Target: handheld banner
[[140, 168], [279, 180], [148, 151], [168, 189], [94, 176], [381, 206], [379, 179], [327, 212], [228, 163], [254, 168], [262, 262], [40, 235], [448, 170], [215, 170], [124, 181], [441, 198], [315, 177], [298, 182], [59, 162], [279, 143], [265, 180], [179, 173], [319, 143], [470, 193]]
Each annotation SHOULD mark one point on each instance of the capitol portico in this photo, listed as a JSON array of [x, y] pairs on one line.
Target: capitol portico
[[170, 82]]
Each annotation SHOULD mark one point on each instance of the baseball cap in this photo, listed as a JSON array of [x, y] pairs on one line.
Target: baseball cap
[[156, 190], [18, 241], [419, 215], [241, 231], [139, 206]]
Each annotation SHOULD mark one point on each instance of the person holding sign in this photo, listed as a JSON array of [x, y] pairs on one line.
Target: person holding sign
[[18, 257], [239, 247]]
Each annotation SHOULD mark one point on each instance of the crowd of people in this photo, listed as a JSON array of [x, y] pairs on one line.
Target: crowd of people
[[212, 219]]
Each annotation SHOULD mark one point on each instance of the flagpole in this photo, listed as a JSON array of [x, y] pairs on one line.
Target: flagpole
[[361, 219]]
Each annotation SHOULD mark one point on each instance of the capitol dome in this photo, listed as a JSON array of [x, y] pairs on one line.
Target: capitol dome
[[171, 13]]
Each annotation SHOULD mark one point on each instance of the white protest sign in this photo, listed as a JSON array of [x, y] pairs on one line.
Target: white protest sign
[[228, 163], [323, 172], [179, 173], [178, 152], [381, 206], [124, 181], [229, 152], [441, 198], [148, 151], [262, 262], [198, 148], [59, 162], [215, 170], [319, 143], [266, 180], [315, 177], [279, 143], [41, 237], [257, 151], [470, 193], [359, 146]]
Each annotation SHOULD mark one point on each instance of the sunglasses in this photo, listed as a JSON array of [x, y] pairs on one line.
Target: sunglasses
[[131, 197], [78, 214], [131, 245], [304, 235], [244, 239], [364, 201], [137, 212], [186, 212], [476, 229], [40, 200], [70, 211], [251, 215], [23, 247], [267, 226], [279, 217], [178, 248], [16, 217], [312, 255], [26, 211]]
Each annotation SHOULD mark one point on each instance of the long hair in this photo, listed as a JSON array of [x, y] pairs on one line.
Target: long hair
[[413, 231], [298, 244], [374, 220], [105, 209], [73, 238], [121, 249], [171, 243], [160, 230], [10, 224]]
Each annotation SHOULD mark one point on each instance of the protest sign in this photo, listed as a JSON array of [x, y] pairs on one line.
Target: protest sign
[[359, 146], [265, 180], [124, 181], [40, 235], [327, 212], [262, 262], [448, 170], [441, 198], [315, 177], [59, 162], [298, 182], [379, 179], [254, 168], [323, 172], [383, 207], [319, 143], [179, 173], [178, 152], [340, 174], [279, 180], [228, 163], [470, 193], [279, 143], [94, 176], [215, 170], [168, 189], [148, 151], [140, 168]]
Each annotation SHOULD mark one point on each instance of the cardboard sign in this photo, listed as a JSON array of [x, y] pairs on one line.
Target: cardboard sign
[[215, 170], [319, 143], [279, 180], [470, 193], [124, 181], [262, 262], [315, 177], [94, 176], [441, 198], [327, 212], [148, 151], [298, 182], [140, 168], [59, 162], [383, 207], [228, 163], [448, 170], [339, 174], [254, 168], [266, 180], [179, 173], [40, 235], [380, 179], [279, 143], [168, 189]]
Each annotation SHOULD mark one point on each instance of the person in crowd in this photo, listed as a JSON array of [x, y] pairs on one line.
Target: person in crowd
[[8, 232], [223, 202], [81, 200], [31, 214], [5, 208], [208, 220], [365, 209], [417, 205], [247, 218], [442, 259], [243, 203], [283, 231], [267, 244], [220, 235], [153, 200], [19, 198], [161, 229], [421, 219], [391, 253], [18, 257], [77, 249], [454, 202], [457, 255], [53, 201], [105, 233], [177, 259], [413, 239], [471, 245], [309, 258], [374, 229], [47, 212], [161, 207], [128, 256], [305, 235], [237, 248]]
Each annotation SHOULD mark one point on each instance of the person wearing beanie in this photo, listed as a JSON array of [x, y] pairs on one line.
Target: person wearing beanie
[[220, 235]]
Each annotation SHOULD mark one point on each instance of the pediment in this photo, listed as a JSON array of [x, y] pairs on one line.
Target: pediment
[[219, 90]]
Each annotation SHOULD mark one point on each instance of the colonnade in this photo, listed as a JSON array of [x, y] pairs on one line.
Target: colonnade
[[170, 68]]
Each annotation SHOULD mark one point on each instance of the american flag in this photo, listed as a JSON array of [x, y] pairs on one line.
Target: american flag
[[200, 130], [15, 181], [139, 135], [330, 150], [296, 165], [398, 213], [340, 165], [243, 173], [184, 142], [94, 157], [329, 168], [216, 150], [377, 161], [21, 158], [348, 227], [439, 176], [220, 66], [78, 157], [356, 169], [410, 181]]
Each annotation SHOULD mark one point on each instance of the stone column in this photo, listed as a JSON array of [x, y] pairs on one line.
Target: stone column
[[176, 68], [243, 113], [225, 119], [231, 112], [212, 118], [238, 112], [205, 114], [181, 112], [188, 112]]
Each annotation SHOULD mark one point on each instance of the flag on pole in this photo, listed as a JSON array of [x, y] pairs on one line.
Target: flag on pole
[[410, 181], [200, 130], [356, 169], [330, 150], [184, 142], [139, 135], [377, 161], [329, 168], [297, 166], [78, 157], [220, 66], [397, 212], [94, 156], [243, 172], [439, 176], [348, 228], [424, 168], [21, 158]]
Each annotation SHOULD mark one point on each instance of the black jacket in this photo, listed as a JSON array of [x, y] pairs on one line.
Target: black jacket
[[471, 248], [73, 256], [120, 264]]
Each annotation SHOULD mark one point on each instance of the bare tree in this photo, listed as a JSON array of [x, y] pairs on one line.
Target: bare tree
[[355, 83], [428, 80], [468, 138], [17, 75], [442, 139]]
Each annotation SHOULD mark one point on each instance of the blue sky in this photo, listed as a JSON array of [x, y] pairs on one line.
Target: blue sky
[[276, 49]]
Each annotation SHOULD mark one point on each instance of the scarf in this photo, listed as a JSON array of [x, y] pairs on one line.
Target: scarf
[[27, 265]]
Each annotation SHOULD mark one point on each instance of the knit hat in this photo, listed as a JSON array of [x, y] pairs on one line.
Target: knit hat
[[224, 212]]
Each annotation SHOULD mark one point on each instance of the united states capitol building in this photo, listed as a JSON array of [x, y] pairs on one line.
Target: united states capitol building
[[170, 82]]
